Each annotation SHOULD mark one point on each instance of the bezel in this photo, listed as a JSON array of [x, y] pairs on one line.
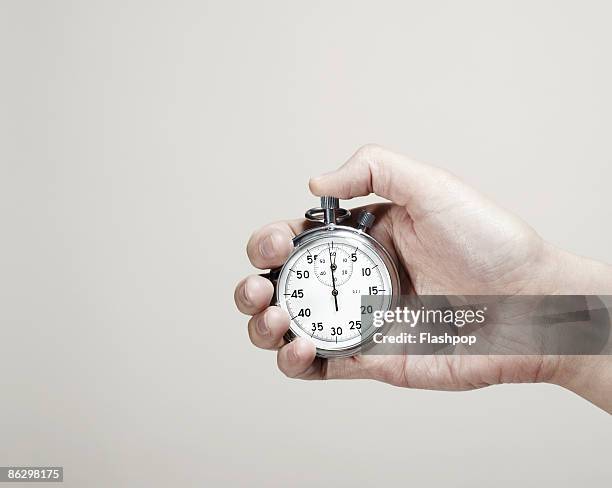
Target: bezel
[[354, 345]]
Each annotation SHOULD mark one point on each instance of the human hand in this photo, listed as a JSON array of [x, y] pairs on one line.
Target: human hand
[[447, 239]]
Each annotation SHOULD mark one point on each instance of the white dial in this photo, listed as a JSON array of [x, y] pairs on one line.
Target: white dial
[[332, 258], [322, 284]]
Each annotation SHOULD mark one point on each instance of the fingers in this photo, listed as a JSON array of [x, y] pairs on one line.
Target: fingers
[[270, 246], [253, 294], [267, 328], [297, 360], [373, 169]]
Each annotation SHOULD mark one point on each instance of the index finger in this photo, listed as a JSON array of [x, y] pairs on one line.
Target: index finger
[[270, 246]]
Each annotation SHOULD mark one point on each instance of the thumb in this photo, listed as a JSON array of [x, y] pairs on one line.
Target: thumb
[[418, 186]]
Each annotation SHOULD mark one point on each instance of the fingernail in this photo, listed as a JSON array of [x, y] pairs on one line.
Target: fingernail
[[266, 247], [262, 327], [246, 292]]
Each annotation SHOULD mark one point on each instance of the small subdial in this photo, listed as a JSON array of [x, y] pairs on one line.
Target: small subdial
[[333, 265]]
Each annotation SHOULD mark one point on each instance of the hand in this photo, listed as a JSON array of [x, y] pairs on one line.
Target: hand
[[447, 239]]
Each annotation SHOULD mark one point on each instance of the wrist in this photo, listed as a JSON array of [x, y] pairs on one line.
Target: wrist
[[587, 376], [562, 273], [559, 272]]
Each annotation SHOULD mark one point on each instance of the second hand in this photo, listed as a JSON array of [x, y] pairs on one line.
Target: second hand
[[334, 290]]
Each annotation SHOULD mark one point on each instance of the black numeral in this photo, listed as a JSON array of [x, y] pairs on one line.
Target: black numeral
[[304, 312], [297, 293], [355, 324], [317, 326], [336, 331], [302, 274]]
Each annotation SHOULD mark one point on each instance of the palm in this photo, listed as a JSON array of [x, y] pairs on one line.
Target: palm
[[457, 251]]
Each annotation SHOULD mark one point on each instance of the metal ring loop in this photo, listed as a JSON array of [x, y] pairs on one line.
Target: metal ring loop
[[316, 214]]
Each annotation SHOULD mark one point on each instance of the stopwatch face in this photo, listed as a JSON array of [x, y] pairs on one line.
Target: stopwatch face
[[321, 287]]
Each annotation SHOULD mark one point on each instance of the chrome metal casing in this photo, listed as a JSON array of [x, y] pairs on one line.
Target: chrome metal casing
[[312, 235]]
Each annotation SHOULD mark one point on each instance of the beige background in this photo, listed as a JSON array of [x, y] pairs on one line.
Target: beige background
[[142, 142]]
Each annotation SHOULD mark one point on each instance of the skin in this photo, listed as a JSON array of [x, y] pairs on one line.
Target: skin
[[447, 239]]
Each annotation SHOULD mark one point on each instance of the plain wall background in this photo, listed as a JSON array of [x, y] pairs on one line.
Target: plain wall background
[[142, 142]]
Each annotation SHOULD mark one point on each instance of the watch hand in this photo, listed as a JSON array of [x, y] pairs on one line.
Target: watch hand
[[334, 291], [335, 295]]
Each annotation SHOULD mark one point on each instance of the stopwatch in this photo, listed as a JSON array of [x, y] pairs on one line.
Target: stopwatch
[[323, 283]]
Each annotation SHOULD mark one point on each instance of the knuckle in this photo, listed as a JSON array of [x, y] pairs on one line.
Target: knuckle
[[237, 292], [263, 341], [251, 331], [380, 178], [250, 249], [239, 297], [444, 175], [368, 152]]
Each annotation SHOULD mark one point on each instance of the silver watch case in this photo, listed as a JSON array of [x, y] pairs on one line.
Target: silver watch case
[[366, 240]]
